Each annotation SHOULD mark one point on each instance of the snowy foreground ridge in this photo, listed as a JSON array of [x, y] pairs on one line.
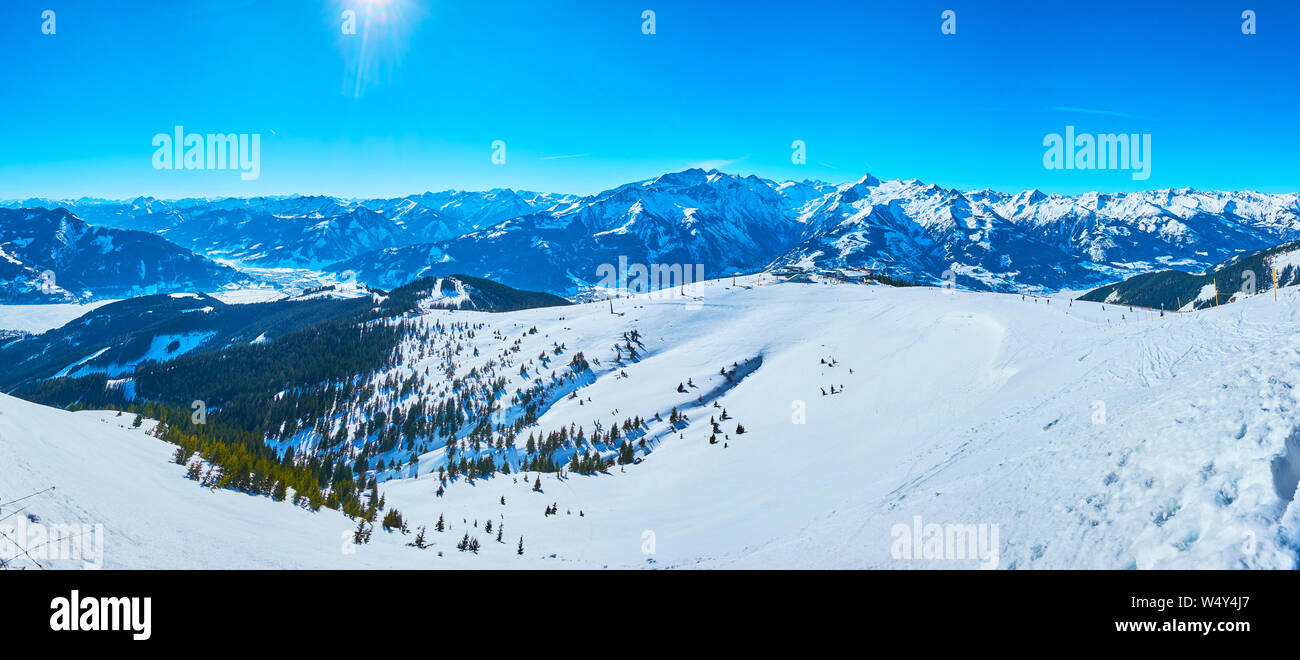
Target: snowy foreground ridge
[[1031, 434]]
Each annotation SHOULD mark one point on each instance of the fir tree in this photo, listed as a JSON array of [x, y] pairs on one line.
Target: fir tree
[[393, 520], [362, 533]]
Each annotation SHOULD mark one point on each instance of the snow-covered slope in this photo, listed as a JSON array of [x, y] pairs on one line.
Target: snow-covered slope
[[103, 472], [1089, 436], [36, 319]]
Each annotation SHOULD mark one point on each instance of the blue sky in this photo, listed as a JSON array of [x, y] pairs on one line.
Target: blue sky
[[584, 101]]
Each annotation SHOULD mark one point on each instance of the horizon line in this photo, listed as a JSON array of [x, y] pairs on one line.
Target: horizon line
[[811, 181]]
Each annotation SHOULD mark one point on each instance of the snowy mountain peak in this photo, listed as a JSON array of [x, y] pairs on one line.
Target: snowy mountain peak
[[867, 180], [688, 178]]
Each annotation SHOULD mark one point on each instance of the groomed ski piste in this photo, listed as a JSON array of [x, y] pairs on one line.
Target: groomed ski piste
[[1067, 435]]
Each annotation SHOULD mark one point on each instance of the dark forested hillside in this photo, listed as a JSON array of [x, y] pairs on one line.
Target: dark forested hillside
[[1172, 289]]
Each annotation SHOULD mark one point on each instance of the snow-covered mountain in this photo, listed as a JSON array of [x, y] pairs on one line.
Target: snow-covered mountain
[[304, 231], [1149, 229], [54, 256], [142, 213], [1073, 438], [1033, 241], [906, 229], [440, 216], [725, 223], [925, 233]]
